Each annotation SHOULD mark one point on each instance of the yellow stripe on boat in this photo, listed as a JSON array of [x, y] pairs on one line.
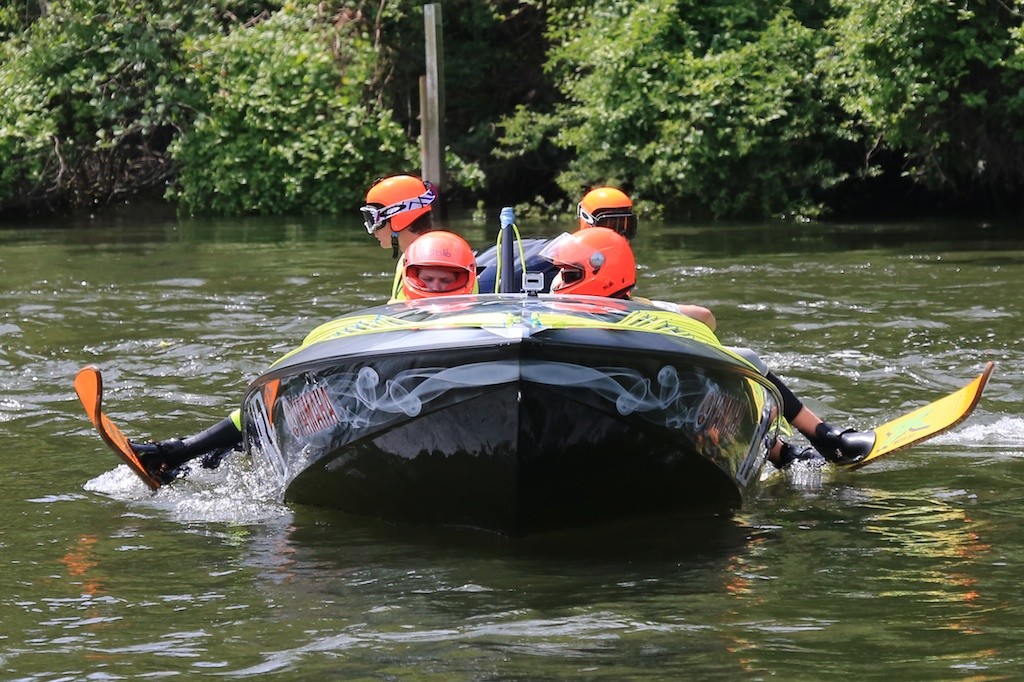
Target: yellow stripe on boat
[[652, 321]]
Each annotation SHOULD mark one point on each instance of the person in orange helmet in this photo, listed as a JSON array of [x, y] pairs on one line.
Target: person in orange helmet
[[397, 212], [611, 208], [439, 263], [401, 203], [607, 207], [598, 261], [595, 262], [602, 206]]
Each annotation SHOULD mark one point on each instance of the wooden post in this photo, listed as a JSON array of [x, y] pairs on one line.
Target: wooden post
[[432, 141]]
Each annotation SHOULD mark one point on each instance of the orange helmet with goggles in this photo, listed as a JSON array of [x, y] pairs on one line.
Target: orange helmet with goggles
[[400, 198], [594, 262], [439, 263], [607, 207]]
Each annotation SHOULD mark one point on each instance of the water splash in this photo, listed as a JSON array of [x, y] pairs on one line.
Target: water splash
[[1003, 433], [236, 492]]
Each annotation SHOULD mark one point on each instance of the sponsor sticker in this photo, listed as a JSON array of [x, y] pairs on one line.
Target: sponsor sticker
[[720, 416], [310, 412]]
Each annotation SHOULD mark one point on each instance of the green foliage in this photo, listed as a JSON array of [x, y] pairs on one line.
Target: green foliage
[[267, 108], [464, 174], [937, 83], [493, 52], [694, 105], [284, 124], [102, 81], [723, 107], [782, 108], [27, 131], [16, 16]]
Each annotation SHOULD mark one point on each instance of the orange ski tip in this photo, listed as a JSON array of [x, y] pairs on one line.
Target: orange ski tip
[[89, 387], [87, 374]]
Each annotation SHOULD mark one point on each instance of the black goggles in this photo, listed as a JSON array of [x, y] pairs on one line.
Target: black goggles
[[622, 220]]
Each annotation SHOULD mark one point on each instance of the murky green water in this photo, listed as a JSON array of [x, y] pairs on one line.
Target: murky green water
[[908, 568]]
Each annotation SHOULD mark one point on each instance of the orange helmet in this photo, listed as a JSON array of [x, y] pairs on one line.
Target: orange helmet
[[400, 199], [607, 207], [438, 263], [596, 262]]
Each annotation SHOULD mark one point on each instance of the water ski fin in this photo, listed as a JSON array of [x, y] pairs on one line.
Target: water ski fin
[[927, 421], [89, 387]]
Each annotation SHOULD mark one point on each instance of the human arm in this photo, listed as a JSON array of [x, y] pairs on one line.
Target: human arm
[[699, 313]]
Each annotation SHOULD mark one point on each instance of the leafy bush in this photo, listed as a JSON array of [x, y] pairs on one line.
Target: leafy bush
[[102, 82], [734, 109], [493, 56], [15, 17], [784, 108], [268, 114], [285, 123], [937, 84], [693, 105], [27, 131]]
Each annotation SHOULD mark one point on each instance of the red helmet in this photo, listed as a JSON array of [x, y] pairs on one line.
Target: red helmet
[[438, 263], [401, 199], [607, 207], [596, 262]]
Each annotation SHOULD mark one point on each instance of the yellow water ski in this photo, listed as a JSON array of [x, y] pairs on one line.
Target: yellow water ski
[[89, 387], [925, 422]]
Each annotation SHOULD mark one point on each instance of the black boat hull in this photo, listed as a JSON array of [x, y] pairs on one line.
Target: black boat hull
[[511, 432]]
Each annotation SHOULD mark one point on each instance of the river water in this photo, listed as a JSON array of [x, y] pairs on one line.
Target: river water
[[909, 567]]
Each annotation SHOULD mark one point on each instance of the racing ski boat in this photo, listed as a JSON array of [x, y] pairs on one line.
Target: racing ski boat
[[513, 413], [518, 412]]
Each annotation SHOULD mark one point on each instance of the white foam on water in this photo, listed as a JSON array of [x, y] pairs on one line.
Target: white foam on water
[[1003, 432], [235, 492]]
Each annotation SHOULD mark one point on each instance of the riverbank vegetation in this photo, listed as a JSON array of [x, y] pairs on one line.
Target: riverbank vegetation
[[722, 109]]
